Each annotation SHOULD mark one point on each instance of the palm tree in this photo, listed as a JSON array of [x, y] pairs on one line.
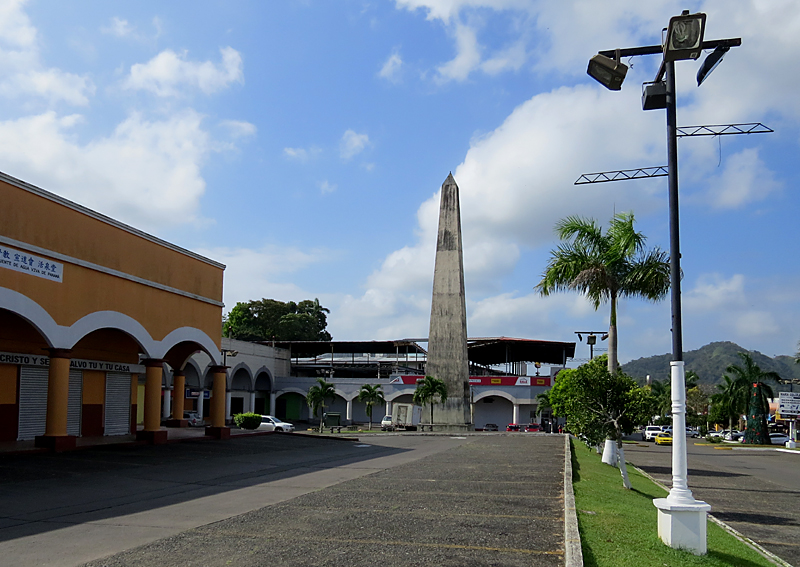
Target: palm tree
[[756, 431], [662, 397], [731, 395], [316, 398], [428, 390], [370, 395], [605, 267]]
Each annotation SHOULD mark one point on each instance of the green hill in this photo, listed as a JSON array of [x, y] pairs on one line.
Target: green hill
[[710, 362]]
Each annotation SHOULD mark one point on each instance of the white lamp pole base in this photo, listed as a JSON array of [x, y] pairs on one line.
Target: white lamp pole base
[[681, 518], [683, 526]]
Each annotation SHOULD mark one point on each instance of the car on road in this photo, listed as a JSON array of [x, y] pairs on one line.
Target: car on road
[[533, 428], [778, 438], [651, 431], [386, 423], [490, 427], [272, 423], [512, 427], [689, 431], [664, 438], [194, 419]]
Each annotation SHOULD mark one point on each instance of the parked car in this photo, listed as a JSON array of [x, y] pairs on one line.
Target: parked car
[[733, 435], [386, 423], [778, 438], [533, 428], [720, 433], [194, 419], [490, 427], [651, 431], [664, 438], [689, 431], [272, 423], [512, 427]]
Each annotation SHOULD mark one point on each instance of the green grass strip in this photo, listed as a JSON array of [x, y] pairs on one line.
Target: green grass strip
[[619, 527]]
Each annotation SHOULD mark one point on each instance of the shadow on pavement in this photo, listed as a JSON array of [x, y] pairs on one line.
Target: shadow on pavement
[[651, 469], [762, 519], [45, 491]]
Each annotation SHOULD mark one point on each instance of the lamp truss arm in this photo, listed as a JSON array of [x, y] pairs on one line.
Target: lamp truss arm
[[622, 175], [724, 129]]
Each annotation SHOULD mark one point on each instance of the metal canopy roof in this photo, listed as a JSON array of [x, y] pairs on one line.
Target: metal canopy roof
[[307, 349], [499, 350], [484, 350]]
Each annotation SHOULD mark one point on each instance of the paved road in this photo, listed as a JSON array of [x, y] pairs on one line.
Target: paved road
[[756, 492], [290, 500]]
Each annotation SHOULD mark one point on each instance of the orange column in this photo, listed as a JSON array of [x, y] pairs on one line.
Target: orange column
[[178, 394], [218, 396], [152, 395], [57, 393]]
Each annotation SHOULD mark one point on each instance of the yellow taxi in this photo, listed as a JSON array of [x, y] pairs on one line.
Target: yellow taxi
[[664, 438]]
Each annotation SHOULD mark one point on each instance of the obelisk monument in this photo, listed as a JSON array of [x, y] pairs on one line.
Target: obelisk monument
[[447, 340]]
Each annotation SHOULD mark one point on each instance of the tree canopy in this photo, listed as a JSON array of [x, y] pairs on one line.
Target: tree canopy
[[600, 405], [429, 391], [370, 395], [269, 319], [317, 395], [605, 267]]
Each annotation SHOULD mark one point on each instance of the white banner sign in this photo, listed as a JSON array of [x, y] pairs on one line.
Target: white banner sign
[[30, 264], [75, 363], [789, 403]]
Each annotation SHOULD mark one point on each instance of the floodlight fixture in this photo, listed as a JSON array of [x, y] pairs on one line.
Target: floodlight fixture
[[654, 95], [591, 340], [684, 38], [711, 63], [608, 72]]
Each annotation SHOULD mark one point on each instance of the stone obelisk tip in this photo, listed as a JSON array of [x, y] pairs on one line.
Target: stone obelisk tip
[[450, 180]]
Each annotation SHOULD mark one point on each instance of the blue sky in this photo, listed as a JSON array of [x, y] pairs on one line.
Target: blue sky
[[303, 144]]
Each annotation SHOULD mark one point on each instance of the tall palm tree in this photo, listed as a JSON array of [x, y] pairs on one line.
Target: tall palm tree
[[370, 395], [427, 392], [732, 395], [605, 267], [757, 393], [316, 398], [662, 397]]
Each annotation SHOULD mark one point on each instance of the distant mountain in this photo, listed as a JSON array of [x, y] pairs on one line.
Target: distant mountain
[[710, 362]]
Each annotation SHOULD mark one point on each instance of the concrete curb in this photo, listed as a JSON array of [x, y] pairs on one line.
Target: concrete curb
[[573, 556], [741, 537]]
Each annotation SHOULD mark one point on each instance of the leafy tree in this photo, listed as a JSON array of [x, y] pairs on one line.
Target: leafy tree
[[751, 382], [543, 401], [269, 319], [605, 267], [316, 398], [599, 405], [696, 406], [430, 391], [731, 397], [370, 395], [662, 397]]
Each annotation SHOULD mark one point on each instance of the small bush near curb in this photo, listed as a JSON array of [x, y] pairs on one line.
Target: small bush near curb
[[716, 439], [247, 420]]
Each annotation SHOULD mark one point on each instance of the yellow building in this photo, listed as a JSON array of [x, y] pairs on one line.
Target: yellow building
[[87, 305]]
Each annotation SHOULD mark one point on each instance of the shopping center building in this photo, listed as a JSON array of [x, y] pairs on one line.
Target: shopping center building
[[92, 313]]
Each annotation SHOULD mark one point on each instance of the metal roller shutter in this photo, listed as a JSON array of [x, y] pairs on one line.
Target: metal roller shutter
[[32, 402], [118, 403], [75, 403]]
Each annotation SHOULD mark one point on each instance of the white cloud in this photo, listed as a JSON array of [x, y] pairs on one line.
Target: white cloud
[[326, 187], [118, 27], [239, 128], [301, 154], [392, 68], [713, 292], [756, 323], [21, 69], [145, 173], [467, 58], [744, 180], [51, 84], [258, 273], [168, 73], [352, 144]]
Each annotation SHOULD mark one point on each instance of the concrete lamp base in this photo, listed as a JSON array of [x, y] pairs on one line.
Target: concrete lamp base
[[218, 432], [56, 443], [683, 526], [153, 437]]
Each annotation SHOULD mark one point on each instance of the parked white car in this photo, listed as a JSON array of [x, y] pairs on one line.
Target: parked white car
[[386, 423], [194, 419], [651, 431], [272, 423], [778, 438]]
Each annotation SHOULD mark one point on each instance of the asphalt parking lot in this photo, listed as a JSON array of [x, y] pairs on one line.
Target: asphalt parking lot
[[491, 499]]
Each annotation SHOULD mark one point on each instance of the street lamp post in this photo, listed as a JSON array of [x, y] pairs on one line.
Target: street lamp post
[[681, 519]]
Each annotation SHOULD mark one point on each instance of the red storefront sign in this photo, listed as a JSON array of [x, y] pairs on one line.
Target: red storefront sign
[[486, 380]]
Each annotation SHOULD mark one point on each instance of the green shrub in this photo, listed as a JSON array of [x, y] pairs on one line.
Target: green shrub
[[247, 420], [714, 439]]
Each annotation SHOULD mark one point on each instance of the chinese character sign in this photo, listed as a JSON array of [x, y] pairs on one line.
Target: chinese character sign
[[30, 264]]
